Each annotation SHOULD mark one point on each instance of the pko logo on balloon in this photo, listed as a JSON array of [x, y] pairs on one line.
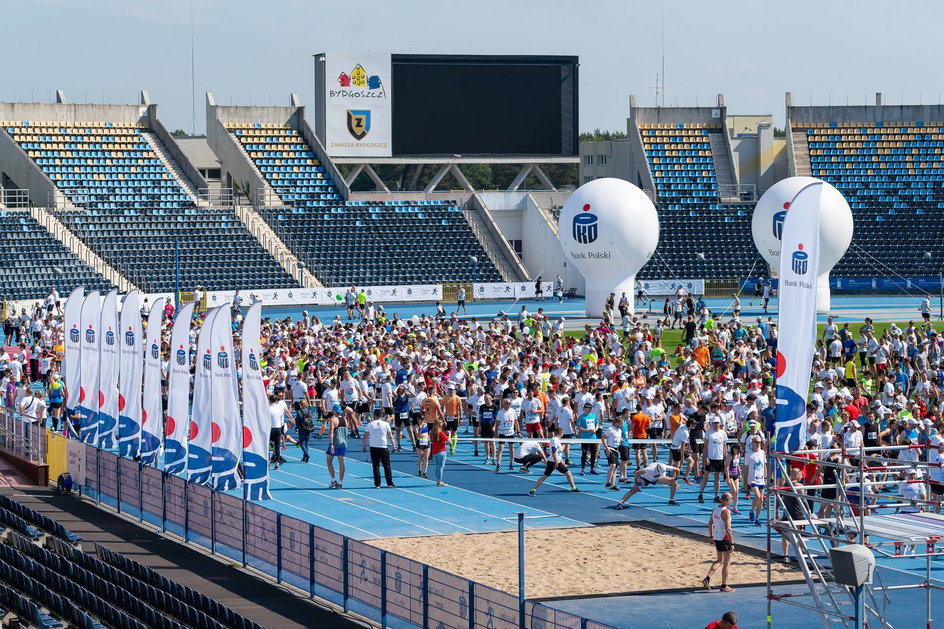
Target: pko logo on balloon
[[778, 224], [585, 226]]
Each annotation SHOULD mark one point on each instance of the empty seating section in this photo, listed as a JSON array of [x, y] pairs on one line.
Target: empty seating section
[[692, 218], [355, 242], [29, 256], [287, 163], [892, 175], [217, 252], [723, 235], [46, 585], [390, 243], [682, 166], [100, 165], [37, 519]]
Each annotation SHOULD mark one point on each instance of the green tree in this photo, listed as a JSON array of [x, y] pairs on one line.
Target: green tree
[[180, 133], [598, 135]]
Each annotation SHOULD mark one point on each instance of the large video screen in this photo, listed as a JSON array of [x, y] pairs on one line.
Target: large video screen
[[484, 105]]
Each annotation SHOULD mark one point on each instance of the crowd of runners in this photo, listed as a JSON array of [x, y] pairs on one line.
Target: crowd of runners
[[614, 400]]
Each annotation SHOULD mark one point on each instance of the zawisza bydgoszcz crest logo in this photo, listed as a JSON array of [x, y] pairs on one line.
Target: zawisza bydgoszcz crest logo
[[585, 226], [358, 123], [800, 260], [778, 224], [222, 358], [181, 356]]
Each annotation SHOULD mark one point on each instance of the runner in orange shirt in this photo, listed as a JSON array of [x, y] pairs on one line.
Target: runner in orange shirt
[[641, 423], [452, 409]]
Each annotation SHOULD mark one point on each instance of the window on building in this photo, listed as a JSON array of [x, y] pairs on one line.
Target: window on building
[[588, 160], [587, 179], [516, 247], [601, 160]]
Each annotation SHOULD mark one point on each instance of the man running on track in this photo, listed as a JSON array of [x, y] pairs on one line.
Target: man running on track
[[720, 534], [656, 473], [556, 462]]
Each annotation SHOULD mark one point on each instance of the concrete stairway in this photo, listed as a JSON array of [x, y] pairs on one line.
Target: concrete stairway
[[727, 184], [174, 169], [79, 248], [801, 154], [492, 239], [262, 232]]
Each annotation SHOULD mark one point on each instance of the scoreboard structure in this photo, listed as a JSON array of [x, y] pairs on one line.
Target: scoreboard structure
[[447, 109]]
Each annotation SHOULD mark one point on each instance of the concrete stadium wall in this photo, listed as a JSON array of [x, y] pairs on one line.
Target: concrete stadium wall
[[541, 251], [714, 114], [865, 113], [72, 112], [301, 125], [17, 165]]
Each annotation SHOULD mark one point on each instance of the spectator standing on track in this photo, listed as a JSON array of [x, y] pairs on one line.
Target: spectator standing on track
[[380, 437], [339, 429], [507, 426], [460, 300], [438, 441], [278, 413], [713, 460], [305, 425], [589, 428], [57, 398], [721, 535]]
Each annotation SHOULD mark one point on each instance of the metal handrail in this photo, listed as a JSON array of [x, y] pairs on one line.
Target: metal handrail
[[26, 440]]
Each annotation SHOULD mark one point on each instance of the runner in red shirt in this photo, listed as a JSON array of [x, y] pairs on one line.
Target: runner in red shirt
[[728, 621]]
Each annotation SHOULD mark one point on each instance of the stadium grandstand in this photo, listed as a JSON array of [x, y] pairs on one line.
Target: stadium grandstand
[[887, 161], [272, 154]]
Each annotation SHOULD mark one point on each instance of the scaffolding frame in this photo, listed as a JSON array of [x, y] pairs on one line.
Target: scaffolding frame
[[810, 537]]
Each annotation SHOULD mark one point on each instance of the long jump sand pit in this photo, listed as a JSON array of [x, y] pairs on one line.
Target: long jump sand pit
[[584, 561]]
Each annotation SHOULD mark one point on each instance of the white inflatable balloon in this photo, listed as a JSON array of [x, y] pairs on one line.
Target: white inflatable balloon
[[835, 229], [609, 229]]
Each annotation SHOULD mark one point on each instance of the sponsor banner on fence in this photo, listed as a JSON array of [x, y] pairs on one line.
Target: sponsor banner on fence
[[668, 287], [510, 290], [75, 456], [326, 296], [358, 120]]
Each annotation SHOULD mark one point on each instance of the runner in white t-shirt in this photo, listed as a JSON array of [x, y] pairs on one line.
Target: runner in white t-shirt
[[656, 473]]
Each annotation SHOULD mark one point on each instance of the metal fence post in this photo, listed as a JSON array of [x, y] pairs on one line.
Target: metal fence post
[[346, 574], [98, 476], [471, 604], [140, 492], [383, 589], [278, 547], [118, 483], [425, 595], [245, 529], [311, 560], [186, 513], [163, 501]]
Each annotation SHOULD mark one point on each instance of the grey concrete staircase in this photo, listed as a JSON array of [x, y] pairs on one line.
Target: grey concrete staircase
[[724, 172], [174, 169], [492, 239], [801, 154]]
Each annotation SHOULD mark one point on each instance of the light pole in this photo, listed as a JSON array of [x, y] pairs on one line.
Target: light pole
[[475, 267], [59, 273]]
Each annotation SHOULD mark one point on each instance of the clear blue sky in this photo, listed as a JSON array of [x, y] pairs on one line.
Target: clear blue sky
[[259, 51]]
